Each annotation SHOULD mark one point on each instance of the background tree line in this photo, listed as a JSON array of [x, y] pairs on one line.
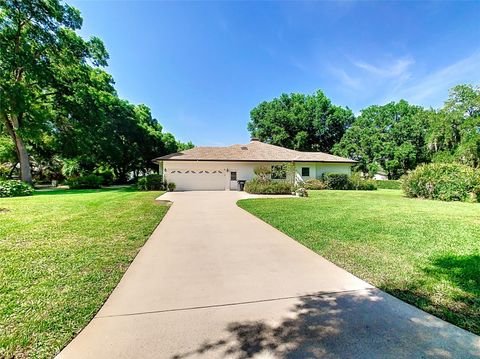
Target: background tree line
[[59, 112], [393, 138]]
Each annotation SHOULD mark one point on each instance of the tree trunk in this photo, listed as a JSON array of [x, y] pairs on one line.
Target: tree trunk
[[25, 169], [22, 154]]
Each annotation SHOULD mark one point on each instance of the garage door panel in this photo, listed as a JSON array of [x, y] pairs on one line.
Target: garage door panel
[[195, 179]]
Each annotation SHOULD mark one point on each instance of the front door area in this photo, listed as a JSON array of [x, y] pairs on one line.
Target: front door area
[[233, 180]]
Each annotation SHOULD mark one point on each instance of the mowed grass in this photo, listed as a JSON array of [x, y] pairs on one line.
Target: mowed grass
[[61, 254], [424, 252]]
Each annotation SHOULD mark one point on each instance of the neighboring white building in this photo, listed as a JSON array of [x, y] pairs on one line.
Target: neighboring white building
[[380, 176], [220, 168]]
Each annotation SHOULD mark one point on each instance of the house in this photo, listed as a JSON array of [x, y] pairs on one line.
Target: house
[[380, 176], [220, 168]]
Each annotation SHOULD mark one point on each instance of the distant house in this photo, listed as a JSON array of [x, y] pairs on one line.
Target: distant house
[[220, 168], [381, 176]]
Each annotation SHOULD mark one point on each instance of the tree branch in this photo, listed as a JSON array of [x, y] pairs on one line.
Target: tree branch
[[46, 94]]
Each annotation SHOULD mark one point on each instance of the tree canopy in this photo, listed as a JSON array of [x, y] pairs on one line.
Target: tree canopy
[[58, 103], [389, 137], [394, 138], [454, 130], [302, 122]]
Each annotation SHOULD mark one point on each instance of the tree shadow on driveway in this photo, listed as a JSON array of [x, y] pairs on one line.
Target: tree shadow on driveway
[[357, 324]]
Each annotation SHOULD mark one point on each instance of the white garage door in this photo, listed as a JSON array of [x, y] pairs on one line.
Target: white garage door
[[196, 180]]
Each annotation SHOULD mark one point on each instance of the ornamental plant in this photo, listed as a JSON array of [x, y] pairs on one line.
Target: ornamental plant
[[338, 181], [152, 182], [85, 182], [314, 184], [15, 188], [258, 186], [443, 181]]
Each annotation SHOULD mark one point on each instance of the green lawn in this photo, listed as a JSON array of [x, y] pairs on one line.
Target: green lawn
[[388, 184], [61, 254], [425, 252]]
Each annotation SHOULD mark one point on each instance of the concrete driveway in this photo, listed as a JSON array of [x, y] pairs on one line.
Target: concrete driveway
[[213, 281]]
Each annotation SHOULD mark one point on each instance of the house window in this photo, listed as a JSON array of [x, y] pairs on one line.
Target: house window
[[305, 171], [233, 176], [279, 172]]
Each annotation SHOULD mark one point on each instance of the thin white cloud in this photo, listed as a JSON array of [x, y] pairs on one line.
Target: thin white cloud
[[375, 78], [366, 83], [300, 65], [399, 68], [432, 90], [345, 78]]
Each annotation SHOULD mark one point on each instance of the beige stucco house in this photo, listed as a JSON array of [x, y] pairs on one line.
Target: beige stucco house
[[220, 168]]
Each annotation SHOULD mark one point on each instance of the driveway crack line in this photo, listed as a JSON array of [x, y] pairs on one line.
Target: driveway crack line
[[319, 294]]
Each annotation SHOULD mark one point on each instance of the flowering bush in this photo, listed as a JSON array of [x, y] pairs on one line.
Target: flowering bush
[[443, 181], [14, 188]]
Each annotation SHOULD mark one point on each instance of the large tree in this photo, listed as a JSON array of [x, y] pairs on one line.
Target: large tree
[[41, 60], [301, 122], [454, 130], [389, 137]]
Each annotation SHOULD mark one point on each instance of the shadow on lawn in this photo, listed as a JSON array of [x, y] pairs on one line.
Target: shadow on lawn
[[461, 305], [463, 271], [367, 324]]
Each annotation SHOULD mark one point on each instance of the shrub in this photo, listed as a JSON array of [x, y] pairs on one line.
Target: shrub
[[256, 186], [155, 182], [365, 185], [336, 181], [152, 182], [71, 168], [106, 176], [142, 184], [263, 172], [15, 188], [314, 184], [388, 184], [361, 184], [342, 181], [85, 182], [443, 181], [171, 186]]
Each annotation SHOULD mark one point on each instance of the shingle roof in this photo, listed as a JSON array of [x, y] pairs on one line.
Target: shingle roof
[[255, 151]]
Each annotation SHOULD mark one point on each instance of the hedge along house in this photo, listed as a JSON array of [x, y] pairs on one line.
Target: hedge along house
[[220, 168]]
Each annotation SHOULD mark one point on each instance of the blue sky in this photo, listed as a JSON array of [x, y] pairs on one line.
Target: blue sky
[[202, 66]]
